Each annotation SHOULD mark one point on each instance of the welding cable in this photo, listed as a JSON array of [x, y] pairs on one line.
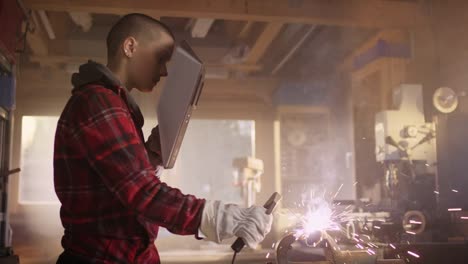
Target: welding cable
[[234, 257]]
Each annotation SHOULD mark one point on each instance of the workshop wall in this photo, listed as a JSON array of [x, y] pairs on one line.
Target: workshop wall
[[314, 132], [451, 41]]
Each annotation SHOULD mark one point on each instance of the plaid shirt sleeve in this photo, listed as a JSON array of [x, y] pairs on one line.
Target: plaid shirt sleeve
[[109, 139]]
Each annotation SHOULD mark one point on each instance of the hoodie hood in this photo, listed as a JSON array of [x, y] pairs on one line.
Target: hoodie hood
[[95, 73]]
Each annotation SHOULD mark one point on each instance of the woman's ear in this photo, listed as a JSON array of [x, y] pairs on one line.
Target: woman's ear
[[129, 46]]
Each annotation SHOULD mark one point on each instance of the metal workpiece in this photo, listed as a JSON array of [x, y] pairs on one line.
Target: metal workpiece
[[293, 250], [319, 249]]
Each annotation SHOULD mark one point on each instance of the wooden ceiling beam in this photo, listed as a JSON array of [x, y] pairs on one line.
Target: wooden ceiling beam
[[251, 61], [201, 27], [244, 33], [37, 39], [61, 23], [358, 13], [37, 83], [263, 42], [56, 60], [396, 36]]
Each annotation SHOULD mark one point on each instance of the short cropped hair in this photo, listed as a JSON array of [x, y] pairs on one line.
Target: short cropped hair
[[140, 26]]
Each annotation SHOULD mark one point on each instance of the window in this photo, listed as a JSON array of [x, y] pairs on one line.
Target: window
[[203, 167], [37, 149]]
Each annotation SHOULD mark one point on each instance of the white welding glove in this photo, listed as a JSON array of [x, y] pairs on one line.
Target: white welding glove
[[221, 221]]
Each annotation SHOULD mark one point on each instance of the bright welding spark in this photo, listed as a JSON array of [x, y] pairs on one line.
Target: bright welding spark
[[373, 245], [411, 233], [320, 216], [436, 192], [454, 209], [337, 192], [464, 217], [413, 254], [377, 227], [372, 252], [455, 191], [318, 220], [393, 246], [267, 255], [415, 222]]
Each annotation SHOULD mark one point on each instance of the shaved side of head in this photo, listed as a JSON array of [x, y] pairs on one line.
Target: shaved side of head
[[142, 27]]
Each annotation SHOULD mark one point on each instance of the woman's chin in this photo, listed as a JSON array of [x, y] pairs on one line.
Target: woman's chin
[[146, 90]]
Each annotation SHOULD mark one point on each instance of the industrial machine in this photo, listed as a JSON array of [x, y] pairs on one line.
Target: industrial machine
[[409, 224], [409, 213], [406, 145]]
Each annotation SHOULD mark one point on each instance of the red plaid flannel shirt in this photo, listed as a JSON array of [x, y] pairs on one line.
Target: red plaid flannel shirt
[[112, 201]]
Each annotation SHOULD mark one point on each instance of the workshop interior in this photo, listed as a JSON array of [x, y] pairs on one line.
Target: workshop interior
[[347, 119]]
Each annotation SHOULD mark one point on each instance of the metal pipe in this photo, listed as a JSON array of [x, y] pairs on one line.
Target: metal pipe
[[294, 49]]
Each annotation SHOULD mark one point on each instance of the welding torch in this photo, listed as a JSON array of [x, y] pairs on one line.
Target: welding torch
[[270, 205]]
